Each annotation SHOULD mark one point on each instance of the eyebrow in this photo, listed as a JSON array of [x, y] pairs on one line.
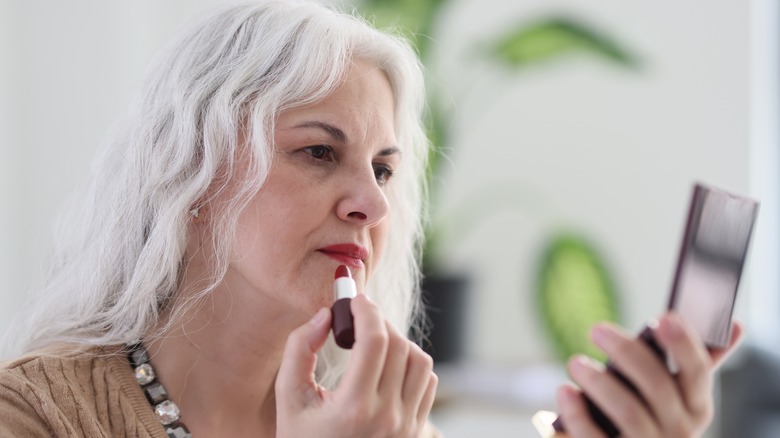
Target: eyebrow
[[334, 132], [389, 151], [340, 136]]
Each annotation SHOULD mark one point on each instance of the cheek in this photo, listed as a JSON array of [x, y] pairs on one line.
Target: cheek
[[267, 233], [251, 250], [261, 234], [379, 239]]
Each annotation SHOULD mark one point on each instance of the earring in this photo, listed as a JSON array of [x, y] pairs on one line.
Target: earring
[[199, 213]]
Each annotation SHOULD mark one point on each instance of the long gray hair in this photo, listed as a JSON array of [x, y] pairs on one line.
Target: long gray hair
[[121, 249]]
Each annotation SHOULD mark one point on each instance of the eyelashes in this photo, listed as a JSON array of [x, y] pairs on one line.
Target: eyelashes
[[325, 154], [382, 173], [320, 152]]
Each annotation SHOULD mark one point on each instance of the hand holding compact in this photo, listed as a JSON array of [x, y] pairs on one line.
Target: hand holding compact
[[665, 404], [387, 390]]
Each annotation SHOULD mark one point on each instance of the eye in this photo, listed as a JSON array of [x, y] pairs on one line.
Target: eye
[[320, 152], [382, 173]]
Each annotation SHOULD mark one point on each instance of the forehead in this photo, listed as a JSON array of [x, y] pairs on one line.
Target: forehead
[[365, 80], [362, 102]]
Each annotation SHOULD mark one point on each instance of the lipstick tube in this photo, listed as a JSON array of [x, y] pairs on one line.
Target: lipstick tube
[[344, 289]]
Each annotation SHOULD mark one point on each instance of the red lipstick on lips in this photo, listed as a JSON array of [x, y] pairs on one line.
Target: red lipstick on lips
[[347, 254], [344, 289]]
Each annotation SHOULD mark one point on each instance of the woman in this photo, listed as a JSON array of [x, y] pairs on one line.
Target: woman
[[271, 143]]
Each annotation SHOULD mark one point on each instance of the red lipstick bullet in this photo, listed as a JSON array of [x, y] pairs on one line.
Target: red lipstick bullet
[[344, 289]]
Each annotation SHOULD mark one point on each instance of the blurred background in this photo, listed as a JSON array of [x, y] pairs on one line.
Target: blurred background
[[564, 124]]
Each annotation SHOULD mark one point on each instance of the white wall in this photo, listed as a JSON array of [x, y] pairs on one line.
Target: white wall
[[763, 305], [68, 71], [6, 159]]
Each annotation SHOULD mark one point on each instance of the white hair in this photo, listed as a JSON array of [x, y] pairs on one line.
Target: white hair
[[121, 250]]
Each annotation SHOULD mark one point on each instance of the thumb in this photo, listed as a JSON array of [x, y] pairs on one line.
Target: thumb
[[295, 381]]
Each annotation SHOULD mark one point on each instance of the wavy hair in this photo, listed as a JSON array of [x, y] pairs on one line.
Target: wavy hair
[[121, 249]]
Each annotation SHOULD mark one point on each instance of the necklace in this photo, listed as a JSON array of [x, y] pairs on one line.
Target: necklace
[[166, 410]]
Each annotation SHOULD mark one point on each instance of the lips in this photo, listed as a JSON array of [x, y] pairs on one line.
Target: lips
[[348, 253]]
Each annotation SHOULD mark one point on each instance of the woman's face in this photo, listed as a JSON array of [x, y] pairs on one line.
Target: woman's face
[[324, 201]]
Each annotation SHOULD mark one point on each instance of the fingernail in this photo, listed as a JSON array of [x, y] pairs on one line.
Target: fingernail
[[581, 364], [566, 396], [652, 324], [671, 325], [319, 316], [601, 335]]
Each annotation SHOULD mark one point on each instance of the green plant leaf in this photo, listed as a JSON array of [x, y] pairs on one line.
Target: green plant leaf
[[574, 292], [552, 38]]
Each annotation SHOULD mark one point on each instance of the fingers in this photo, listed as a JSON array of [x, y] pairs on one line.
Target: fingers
[[419, 372], [428, 397], [668, 404], [295, 381], [389, 385], [640, 365], [693, 361], [575, 415], [369, 352], [392, 380], [613, 397], [389, 376]]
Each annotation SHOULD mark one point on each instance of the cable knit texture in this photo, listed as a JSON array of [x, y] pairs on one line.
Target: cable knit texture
[[91, 394], [87, 394]]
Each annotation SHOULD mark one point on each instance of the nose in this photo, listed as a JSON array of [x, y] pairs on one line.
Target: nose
[[364, 201]]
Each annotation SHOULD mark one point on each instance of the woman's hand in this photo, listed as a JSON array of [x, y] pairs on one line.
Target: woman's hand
[[387, 390], [674, 406]]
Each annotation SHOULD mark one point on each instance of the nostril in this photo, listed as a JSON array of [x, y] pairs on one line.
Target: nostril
[[358, 215]]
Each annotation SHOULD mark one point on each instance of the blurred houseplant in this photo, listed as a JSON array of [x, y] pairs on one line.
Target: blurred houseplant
[[573, 285]]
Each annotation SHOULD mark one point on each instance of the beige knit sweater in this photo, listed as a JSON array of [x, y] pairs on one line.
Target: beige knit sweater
[[91, 394]]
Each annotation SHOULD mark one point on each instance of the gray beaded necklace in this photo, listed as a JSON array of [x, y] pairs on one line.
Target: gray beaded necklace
[[166, 410]]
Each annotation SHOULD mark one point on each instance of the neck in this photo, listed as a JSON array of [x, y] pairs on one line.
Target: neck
[[219, 365]]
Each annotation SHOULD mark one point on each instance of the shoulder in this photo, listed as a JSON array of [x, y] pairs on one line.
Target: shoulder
[[18, 400], [48, 372], [75, 394]]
